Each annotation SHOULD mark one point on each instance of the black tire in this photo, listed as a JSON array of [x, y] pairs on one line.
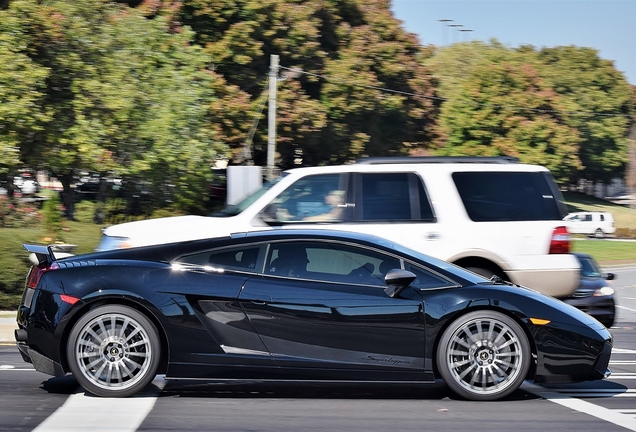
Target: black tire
[[113, 351], [484, 355], [599, 233]]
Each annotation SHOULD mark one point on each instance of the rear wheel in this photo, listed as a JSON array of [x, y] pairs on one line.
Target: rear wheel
[[599, 233], [484, 355], [113, 351]]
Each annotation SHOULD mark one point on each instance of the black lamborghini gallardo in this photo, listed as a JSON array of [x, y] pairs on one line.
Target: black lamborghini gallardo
[[302, 305]]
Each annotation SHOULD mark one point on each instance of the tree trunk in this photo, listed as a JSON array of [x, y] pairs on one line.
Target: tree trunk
[[67, 196]]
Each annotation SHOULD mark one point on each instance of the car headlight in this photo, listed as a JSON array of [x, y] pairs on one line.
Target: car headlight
[[110, 243], [605, 291]]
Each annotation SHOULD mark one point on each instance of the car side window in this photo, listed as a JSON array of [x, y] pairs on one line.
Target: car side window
[[507, 196], [426, 279], [393, 197], [312, 198], [244, 259], [329, 262]]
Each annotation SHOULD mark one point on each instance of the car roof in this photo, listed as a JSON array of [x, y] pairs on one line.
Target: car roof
[[311, 233], [419, 167]]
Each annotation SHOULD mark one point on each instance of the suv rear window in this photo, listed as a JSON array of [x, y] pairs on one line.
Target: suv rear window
[[509, 196]]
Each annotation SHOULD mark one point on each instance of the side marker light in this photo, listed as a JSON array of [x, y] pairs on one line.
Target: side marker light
[[68, 299]]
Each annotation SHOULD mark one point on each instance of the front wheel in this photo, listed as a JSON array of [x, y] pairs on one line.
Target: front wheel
[[113, 351], [484, 355]]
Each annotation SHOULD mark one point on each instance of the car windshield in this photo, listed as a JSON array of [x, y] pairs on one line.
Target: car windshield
[[589, 268], [233, 210]]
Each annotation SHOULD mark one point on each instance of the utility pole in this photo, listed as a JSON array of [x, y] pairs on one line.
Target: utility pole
[[271, 116]]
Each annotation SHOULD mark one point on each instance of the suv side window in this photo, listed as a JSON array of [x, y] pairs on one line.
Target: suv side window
[[392, 197], [507, 196], [312, 198]]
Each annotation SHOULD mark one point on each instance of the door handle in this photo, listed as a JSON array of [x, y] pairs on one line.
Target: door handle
[[259, 302]]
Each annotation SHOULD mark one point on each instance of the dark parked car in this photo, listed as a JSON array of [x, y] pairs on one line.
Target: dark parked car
[[296, 305], [594, 296]]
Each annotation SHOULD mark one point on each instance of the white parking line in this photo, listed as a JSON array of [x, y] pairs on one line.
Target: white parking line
[[623, 351], [82, 412], [613, 416], [625, 308], [622, 376], [595, 392]]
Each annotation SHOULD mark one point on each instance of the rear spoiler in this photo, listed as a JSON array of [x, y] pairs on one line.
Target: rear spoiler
[[46, 255]]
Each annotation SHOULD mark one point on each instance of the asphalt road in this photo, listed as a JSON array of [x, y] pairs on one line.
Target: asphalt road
[[32, 401]]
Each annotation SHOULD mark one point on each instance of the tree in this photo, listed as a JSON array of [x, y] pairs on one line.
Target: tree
[[498, 104], [22, 86], [598, 102], [347, 51], [124, 96], [563, 107]]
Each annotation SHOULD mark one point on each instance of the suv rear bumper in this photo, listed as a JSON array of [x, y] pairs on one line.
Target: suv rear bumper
[[554, 282]]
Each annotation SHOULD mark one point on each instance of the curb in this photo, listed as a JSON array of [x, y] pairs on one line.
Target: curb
[[7, 326]]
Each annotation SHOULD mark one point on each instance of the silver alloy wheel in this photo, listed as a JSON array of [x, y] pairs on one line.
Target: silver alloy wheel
[[114, 353], [484, 355]]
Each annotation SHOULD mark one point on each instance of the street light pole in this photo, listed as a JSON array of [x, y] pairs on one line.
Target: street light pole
[[456, 26], [271, 115], [444, 21], [465, 31]]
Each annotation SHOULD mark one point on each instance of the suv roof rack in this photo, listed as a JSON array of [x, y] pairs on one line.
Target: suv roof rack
[[436, 159]]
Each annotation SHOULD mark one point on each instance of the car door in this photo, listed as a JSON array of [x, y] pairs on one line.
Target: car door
[[214, 279], [325, 308]]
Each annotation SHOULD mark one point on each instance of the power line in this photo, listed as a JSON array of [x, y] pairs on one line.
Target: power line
[[442, 99]]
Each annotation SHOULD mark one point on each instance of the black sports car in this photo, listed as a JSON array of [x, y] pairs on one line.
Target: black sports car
[[296, 305]]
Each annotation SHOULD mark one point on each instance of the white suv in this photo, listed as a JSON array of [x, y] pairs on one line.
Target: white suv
[[591, 223], [491, 215]]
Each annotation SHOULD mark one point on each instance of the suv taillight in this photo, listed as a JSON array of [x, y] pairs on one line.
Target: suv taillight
[[560, 241], [36, 272]]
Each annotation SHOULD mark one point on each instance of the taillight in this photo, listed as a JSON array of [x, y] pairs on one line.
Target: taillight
[[560, 241], [36, 272]]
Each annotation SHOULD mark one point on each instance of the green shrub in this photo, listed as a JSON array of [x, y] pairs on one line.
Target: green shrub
[[166, 212], [114, 210], [14, 260], [85, 211], [52, 218]]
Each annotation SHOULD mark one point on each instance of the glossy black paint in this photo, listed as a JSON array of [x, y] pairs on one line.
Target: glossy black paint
[[248, 324]]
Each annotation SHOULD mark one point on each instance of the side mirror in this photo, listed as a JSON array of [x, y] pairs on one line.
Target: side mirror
[[610, 276], [268, 214], [397, 280]]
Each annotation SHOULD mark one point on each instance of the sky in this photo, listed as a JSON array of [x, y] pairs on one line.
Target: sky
[[606, 25]]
